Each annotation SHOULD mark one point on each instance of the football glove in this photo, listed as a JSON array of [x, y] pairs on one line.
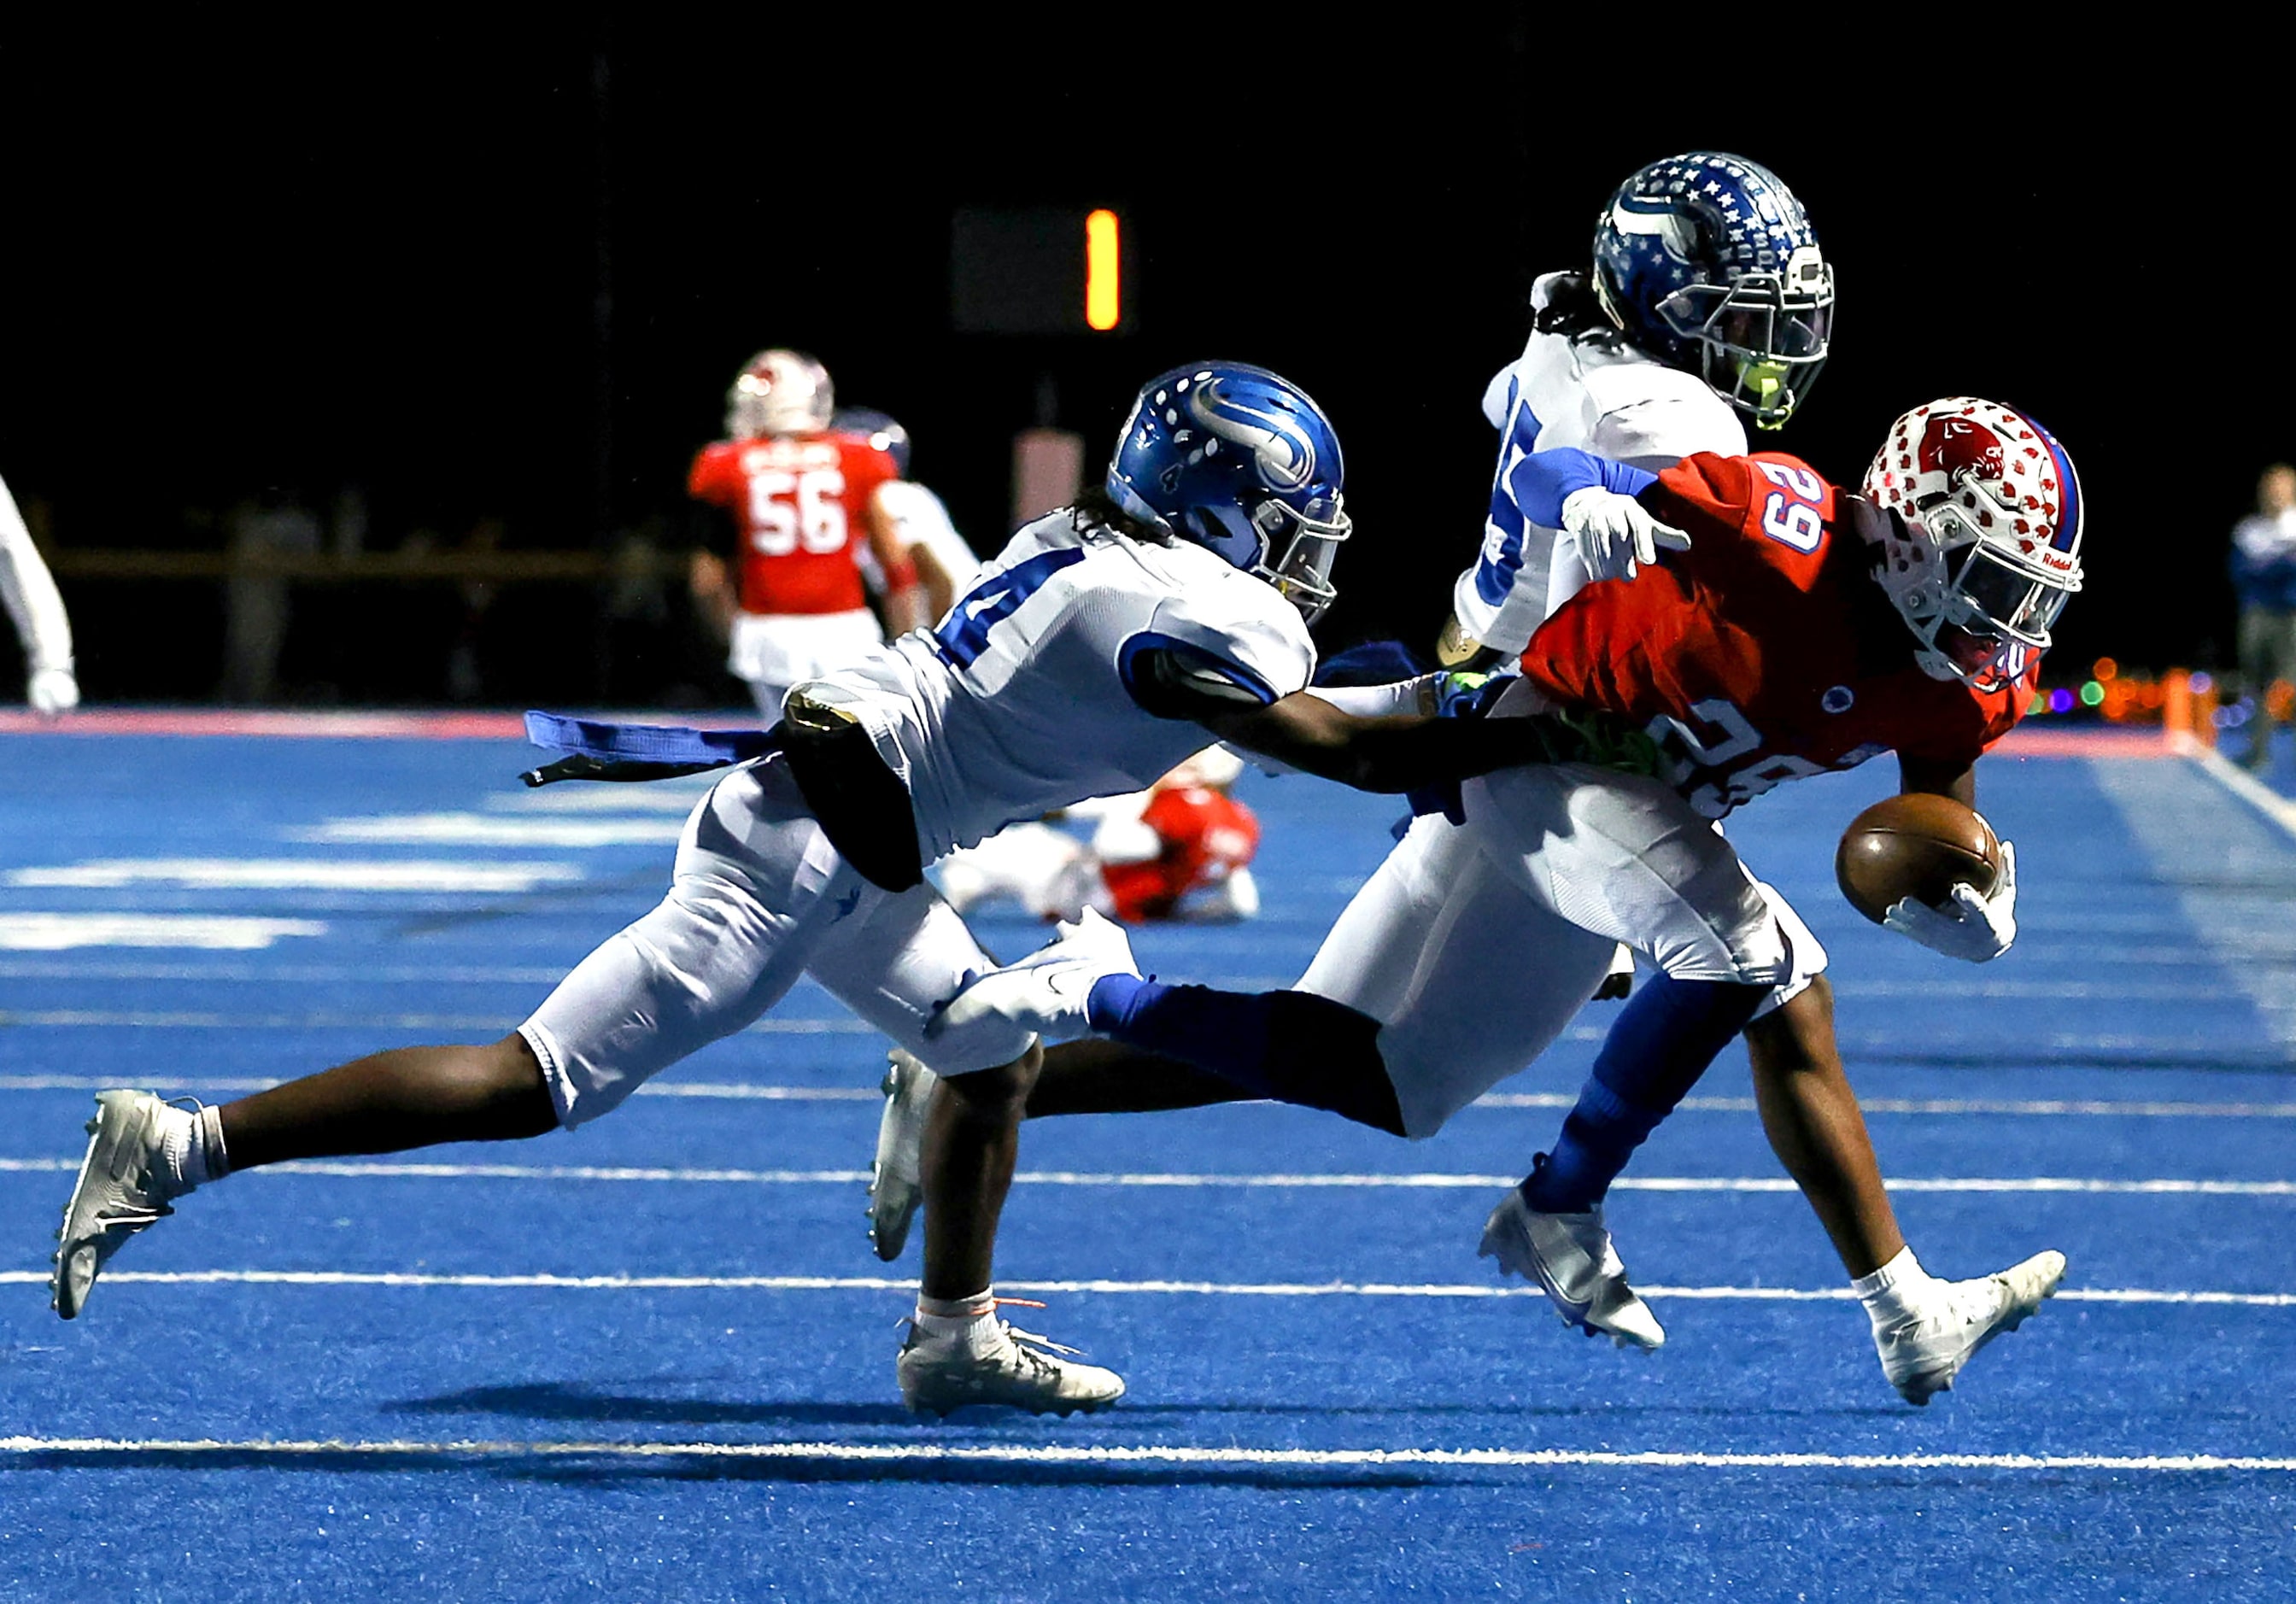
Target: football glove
[[51, 690], [1615, 536], [1975, 928]]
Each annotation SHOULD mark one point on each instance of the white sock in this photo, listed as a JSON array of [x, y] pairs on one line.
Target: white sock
[[180, 1167], [969, 1322], [191, 1150], [1897, 1289]]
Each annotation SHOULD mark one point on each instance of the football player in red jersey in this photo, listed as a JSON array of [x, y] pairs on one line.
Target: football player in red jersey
[[798, 492], [1769, 641], [1181, 849]]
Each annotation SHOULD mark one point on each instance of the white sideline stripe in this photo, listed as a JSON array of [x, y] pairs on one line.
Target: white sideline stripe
[[2246, 786], [753, 1092], [299, 874], [1156, 1453], [494, 830], [879, 1283], [1420, 1181], [67, 932]]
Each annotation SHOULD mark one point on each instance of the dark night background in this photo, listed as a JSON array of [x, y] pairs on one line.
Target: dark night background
[[321, 254]]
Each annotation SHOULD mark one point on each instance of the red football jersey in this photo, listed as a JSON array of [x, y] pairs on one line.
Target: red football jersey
[[801, 501], [1765, 653], [1206, 833]]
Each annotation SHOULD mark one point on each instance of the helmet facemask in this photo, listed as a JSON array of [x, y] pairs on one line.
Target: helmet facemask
[[1763, 336], [1291, 548], [1980, 614]]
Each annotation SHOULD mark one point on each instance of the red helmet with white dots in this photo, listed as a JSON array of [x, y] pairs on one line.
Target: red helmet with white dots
[[1985, 545]]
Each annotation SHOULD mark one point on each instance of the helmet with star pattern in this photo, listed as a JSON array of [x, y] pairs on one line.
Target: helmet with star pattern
[[1709, 263]]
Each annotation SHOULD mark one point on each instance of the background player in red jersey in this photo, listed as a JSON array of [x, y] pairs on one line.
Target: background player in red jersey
[[1180, 849], [800, 493], [1769, 642]]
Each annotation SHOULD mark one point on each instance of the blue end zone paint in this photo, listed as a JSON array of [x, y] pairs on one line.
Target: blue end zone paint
[[2111, 994]]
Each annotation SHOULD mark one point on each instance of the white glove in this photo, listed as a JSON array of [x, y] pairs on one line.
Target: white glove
[[1977, 928], [52, 691], [1614, 534]]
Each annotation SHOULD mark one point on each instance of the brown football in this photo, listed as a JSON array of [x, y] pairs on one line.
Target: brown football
[[1916, 846]]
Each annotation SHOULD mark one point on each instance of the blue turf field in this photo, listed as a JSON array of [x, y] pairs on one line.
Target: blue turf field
[[655, 1358]]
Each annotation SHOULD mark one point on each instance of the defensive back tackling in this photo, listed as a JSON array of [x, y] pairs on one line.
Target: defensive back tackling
[[1105, 645]]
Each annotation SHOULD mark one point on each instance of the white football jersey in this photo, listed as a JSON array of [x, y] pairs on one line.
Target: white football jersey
[[1609, 399], [1030, 694], [920, 518]]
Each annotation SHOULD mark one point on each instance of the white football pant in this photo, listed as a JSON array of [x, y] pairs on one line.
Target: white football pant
[[1475, 945], [757, 898]]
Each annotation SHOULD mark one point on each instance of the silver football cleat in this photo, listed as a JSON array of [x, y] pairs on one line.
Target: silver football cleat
[[896, 1183], [1570, 1257], [120, 1192], [1018, 1369]]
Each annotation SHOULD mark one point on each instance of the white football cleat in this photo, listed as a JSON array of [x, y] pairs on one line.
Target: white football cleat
[[120, 1192], [1922, 1356], [1017, 1368], [1571, 1255], [1047, 991], [896, 1181]]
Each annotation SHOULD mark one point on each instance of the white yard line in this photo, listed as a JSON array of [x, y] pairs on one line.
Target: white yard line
[[1153, 1454], [2181, 1048], [1152, 1179], [493, 830], [757, 1092], [732, 1091], [38, 932], [1155, 1287], [299, 874], [72, 1018]]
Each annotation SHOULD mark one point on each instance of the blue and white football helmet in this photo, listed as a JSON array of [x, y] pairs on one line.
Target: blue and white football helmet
[[1707, 261], [1238, 460]]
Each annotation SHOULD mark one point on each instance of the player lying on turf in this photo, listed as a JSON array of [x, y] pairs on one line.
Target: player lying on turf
[[1788, 629], [1182, 849], [1101, 647]]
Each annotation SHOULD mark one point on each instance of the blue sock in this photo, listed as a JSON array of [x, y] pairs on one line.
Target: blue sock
[[1660, 1044], [1292, 1046]]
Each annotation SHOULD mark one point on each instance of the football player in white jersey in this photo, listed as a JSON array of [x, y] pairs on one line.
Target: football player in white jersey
[[1105, 643], [29, 595], [1709, 301], [946, 565]]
